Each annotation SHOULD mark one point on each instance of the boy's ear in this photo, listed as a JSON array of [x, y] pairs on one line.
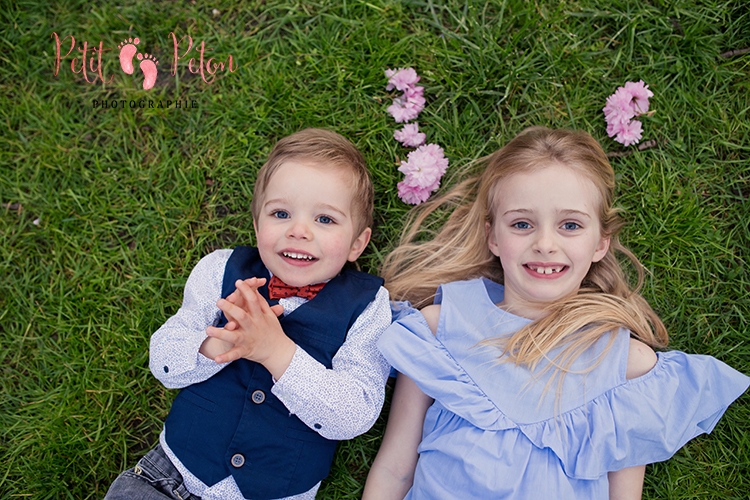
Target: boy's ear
[[359, 244], [601, 250]]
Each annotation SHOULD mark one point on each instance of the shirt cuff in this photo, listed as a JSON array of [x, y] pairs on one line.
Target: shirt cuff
[[300, 368]]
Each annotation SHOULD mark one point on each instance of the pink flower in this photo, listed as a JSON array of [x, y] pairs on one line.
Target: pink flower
[[630, 133], [408, 106], [401, 78], [613, 128], [618, 108], [639, 93], [625, 104], [414, 195], [425, 166], [410, 136], [415, 92]]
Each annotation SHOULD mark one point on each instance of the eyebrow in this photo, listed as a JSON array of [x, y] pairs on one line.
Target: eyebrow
[[566, 212], [326, 206]]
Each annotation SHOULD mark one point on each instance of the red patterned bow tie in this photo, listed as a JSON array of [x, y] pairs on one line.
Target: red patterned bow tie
[[277, 289]]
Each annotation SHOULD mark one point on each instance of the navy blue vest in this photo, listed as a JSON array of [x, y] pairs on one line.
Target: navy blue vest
[[231, 424]]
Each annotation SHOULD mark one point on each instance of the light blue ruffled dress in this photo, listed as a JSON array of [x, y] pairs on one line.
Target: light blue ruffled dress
[[494, 432]]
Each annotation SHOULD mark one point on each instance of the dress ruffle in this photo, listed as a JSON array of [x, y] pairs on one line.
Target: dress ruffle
[[644, 420], [640, 421], [412, 349]]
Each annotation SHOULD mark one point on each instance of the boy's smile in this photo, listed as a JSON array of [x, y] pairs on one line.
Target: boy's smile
[[305, 228], [547, 233]]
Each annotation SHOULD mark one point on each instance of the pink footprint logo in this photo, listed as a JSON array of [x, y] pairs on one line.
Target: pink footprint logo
[[127, 51], [148, 66]]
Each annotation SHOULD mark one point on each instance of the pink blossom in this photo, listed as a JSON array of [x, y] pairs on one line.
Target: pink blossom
[[410, 136], [425, 166], [626, 133], [401, 113], [414, 92], [639, 93], [408, 106], [613, 128], [625, 104], [618, 108], [630, 133], [401, 79], [414, 195]]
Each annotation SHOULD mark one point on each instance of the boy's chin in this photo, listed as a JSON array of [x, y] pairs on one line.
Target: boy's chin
[[307, 275]]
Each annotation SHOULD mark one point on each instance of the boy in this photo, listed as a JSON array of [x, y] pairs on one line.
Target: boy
[[265, 399]]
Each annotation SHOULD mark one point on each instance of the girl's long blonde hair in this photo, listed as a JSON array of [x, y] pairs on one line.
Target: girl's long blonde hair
[[427, 257]]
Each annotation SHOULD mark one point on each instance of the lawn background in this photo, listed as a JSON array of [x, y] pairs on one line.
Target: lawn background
[[105, 211]]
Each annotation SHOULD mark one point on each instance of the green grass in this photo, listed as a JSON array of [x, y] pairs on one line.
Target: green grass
[[128, 200]]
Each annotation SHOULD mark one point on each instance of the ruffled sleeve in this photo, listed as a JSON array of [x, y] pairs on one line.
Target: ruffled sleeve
[[644, 420], [412, 349]]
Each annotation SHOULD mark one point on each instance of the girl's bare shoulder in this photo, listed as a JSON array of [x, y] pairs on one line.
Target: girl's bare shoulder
[[432, 314], [641, 358]]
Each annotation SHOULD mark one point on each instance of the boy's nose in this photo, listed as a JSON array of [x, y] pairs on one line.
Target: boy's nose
[[300, 230]]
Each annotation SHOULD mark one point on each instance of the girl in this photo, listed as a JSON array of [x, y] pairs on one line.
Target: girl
[[541, 366]]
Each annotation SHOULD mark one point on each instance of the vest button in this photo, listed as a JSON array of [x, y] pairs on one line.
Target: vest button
[[238, 460], [258, 397]]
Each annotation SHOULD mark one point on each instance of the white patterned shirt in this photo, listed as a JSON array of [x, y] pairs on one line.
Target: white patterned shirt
[[338, 403]]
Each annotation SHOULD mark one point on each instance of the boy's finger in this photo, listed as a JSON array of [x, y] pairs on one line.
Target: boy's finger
[[252, 298], [278, 309], [232, 297], [231, 311], [255, 282], [222, 334], [249, 282], [232, 354], [235, 297], [262, 302]]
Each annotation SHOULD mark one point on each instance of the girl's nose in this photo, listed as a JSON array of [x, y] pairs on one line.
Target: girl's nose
[[545, 242]]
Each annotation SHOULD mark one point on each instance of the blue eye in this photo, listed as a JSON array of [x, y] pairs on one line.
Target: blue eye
[[280, 214], [571, 226], [521, 225], [324, 219]]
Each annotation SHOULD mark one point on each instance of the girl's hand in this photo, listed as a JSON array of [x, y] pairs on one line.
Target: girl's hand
[[254, 331]]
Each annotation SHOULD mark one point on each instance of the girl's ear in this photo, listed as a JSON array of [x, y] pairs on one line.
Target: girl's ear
[[601, 250], [491, 240]]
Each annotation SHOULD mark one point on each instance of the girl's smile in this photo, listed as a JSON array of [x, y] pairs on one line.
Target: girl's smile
[[545, 270]]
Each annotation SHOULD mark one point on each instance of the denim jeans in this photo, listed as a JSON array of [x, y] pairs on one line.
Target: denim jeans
[[153, 478]]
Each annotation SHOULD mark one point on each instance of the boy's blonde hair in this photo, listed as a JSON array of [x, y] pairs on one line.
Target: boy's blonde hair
[[328, 150], [459, 250]]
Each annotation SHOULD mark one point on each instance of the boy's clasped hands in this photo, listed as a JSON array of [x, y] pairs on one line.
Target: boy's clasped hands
[[252, 332]]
